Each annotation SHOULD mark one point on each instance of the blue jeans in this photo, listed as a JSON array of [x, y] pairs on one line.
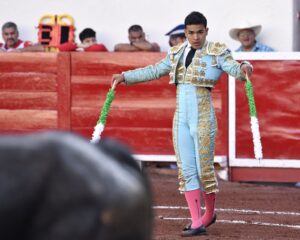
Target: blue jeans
[[194, 132]]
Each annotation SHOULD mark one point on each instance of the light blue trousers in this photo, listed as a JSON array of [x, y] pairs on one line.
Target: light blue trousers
[[194, 132]]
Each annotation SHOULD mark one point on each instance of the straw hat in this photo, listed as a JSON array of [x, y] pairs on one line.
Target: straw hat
[[234, 31]]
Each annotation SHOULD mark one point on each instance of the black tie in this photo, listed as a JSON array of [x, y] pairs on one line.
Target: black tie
[[189, 57]]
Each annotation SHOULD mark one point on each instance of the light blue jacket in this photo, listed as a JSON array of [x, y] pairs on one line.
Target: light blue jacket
[[205, 69]]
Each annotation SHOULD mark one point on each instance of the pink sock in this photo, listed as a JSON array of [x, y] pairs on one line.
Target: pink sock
[[193, 201], [209, 207]]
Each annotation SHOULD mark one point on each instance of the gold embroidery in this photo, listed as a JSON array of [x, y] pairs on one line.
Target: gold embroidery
[[180, 69], [192, 76], [206, 138], [214, 61], [197, 62], [176, 49], [216, 48], [195, 81], [202, 74], [171, 76], [195, 72], [202, 91], [181, 179]]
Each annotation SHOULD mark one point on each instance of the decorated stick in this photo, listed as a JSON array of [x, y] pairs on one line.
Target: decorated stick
[[254, 121], [98, 129]]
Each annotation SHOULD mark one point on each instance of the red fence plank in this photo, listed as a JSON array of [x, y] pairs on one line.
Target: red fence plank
[[67, 91], [145, 143], [24, 81], [28, 100], [125, 117], [143, 90], [28, 62], [110, 63], [143, 105], [276, 95], [220, 102], [12, 120], [64, 91], [265, 174]]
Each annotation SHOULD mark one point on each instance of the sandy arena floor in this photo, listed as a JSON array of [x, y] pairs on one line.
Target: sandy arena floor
[[244, 210]]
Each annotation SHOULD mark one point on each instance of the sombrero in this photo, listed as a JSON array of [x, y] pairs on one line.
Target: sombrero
[[234, 31]]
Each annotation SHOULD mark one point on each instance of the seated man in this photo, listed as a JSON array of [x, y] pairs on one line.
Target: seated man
[[88, 43], [176, 35], [12, 43], [246, 35], [137, 42], [57, 185]]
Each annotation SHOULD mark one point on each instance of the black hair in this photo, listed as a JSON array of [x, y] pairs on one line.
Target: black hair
[[119, 152], [135, 28], [87, 33], [66, 178], [180, 35], [9, 25], [195, 18]]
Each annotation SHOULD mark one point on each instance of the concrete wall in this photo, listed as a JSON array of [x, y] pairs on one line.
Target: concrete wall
[[111, 18]]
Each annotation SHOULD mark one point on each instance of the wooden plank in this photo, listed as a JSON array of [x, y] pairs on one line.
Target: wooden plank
[[64, 90], [125, 117], [91, 79], [138, 92], [18, 131], [141, 140], [28, 62], [265, 174], [29, 81], [28, 100], [220, 98], [105, 80], [12, 120], [277, 109], [90, 90], [108, 63], [92, 100]]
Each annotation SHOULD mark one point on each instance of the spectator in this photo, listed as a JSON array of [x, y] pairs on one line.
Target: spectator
[[176, 35], [88, 43], [246, 35], [12, 43], [137, 42], [58, 186]]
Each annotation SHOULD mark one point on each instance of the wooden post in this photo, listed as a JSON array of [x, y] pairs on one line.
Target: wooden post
[[64, 91]]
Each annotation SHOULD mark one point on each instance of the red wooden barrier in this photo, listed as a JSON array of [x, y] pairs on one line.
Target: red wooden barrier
[[276, 90], [141, 115], [28, 91], [67, 90], [277, 98]]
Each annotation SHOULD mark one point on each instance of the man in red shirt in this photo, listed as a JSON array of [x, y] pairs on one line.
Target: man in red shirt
[[12, 43], [88, 43]]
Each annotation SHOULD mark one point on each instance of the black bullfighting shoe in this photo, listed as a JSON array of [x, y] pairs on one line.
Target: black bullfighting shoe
[[190, 232], [187, 227], [212, 221]]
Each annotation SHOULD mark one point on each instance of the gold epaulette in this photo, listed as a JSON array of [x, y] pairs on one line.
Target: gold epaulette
[[216, 48], [176, 49]]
